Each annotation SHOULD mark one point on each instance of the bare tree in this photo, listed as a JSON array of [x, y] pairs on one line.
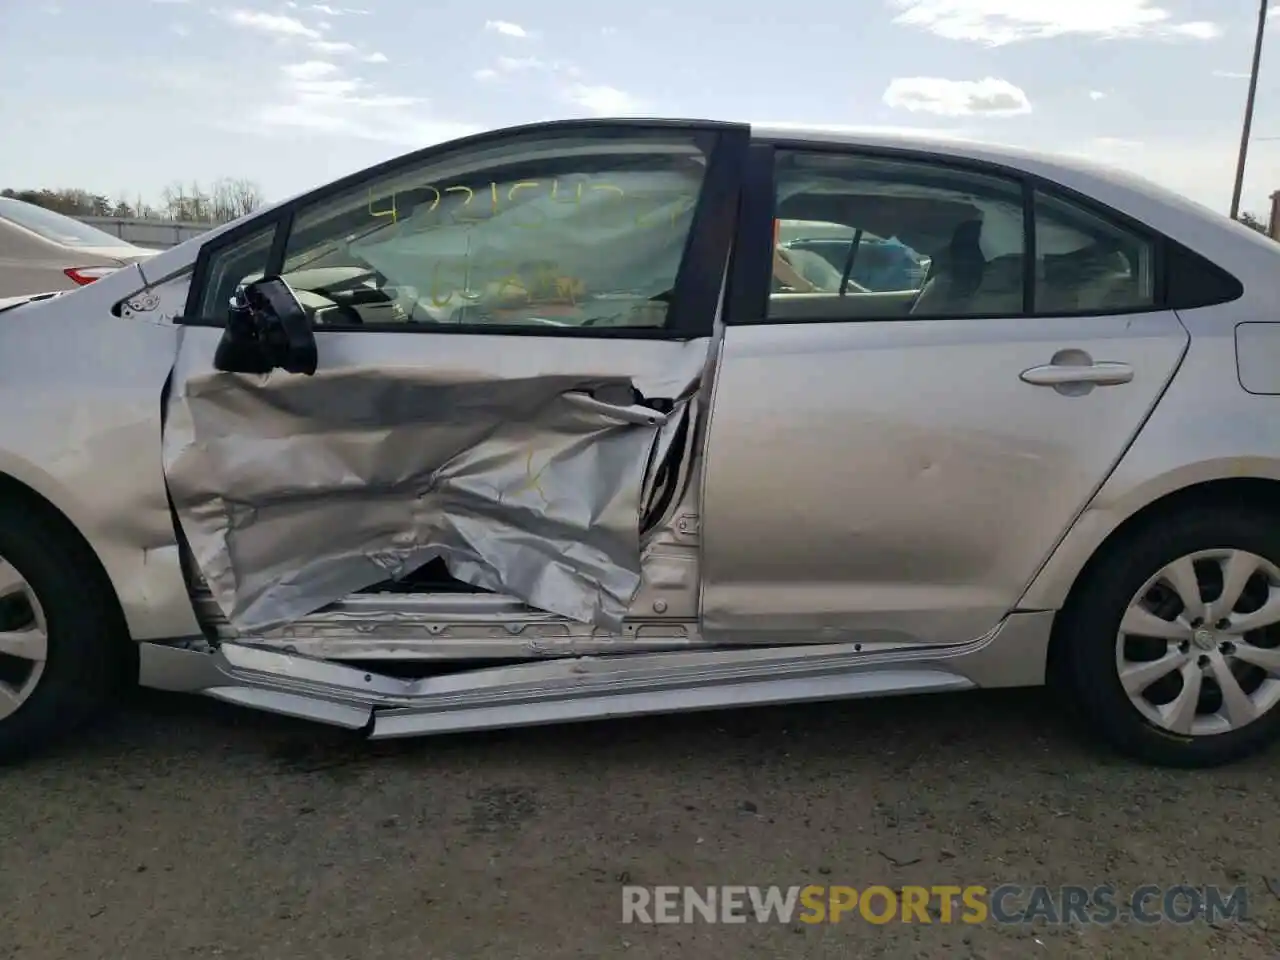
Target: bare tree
[[229, 199], [1253, 222], [186, 203], [123, 208], [174, 198], [71, 201], [232, 198], [199, 204]]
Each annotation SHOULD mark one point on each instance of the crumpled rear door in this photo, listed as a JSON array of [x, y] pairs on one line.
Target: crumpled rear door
[[515, 449]]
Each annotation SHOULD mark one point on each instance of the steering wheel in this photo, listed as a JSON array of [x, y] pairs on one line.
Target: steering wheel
[[317, 305]]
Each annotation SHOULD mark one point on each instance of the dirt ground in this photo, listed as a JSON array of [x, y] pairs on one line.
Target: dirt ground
[[184, 828]]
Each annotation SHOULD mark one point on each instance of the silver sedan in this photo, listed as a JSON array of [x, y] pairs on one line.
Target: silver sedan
[[43, 250], [551, 424]]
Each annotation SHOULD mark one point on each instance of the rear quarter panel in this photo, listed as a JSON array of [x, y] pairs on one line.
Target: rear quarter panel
[[1206, 427]]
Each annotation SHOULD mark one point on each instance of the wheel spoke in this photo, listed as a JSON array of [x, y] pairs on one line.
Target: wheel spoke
[[1264, 616], [1238, 567], [29, 644], [9, 699], [11, 580], [1180, 714], [1136, 677], [1235, 702], [1140, 622], [1181, 575], [1266, 658]]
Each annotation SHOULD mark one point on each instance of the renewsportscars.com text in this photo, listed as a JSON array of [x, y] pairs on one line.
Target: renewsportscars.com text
[[973, 904]]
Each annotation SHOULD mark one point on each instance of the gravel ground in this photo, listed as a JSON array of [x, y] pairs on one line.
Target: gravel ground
[[188, 829]]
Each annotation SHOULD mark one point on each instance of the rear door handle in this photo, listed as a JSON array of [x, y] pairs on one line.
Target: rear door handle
[[1102, 373]]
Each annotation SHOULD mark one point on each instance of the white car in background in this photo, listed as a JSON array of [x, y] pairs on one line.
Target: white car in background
[[42, 251]]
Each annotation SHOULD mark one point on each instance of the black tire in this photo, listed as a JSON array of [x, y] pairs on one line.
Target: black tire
[[1086, 666], [87, 651]]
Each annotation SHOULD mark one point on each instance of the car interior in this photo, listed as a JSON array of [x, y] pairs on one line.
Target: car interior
[[969, 247], [1085, 268], [432, 256]]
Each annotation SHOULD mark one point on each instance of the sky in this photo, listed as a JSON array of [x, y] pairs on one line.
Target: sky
[[124, 97]]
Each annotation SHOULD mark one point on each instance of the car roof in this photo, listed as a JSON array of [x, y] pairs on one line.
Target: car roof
[[1047, 164]]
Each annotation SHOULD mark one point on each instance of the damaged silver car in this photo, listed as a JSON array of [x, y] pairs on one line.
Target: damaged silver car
[[548, 424]]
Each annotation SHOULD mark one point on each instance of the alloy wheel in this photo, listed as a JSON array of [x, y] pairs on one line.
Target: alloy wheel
[[24, 640], [1198, 650]]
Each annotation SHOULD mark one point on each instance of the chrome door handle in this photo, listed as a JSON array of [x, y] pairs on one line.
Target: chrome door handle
[[632, 413], [1102, 373]]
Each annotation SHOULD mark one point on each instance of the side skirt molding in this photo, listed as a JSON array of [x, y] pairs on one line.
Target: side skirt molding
[[585, 688]]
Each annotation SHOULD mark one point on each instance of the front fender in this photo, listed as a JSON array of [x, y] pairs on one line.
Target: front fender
[[81, 393]]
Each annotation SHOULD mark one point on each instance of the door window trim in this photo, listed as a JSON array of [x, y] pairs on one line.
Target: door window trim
[[695, 292], [750, 270]]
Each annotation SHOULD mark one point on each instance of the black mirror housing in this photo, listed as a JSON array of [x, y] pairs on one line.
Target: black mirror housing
[[267, 329]]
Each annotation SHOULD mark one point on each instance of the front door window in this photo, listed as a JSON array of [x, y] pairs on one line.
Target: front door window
[[574, 231]]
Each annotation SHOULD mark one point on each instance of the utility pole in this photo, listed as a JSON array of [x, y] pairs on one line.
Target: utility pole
[[1248, 111]]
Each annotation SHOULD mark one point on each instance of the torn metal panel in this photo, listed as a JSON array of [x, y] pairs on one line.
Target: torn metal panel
[[444, 627], [294, 492]]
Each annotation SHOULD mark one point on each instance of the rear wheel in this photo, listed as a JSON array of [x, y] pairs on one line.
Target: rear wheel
[[60, 632], [1172, 643]]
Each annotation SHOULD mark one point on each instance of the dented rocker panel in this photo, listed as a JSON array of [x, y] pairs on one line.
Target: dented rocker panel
[[582, 688]]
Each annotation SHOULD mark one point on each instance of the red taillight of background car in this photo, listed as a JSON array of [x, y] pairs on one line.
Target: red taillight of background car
[[86, 275]]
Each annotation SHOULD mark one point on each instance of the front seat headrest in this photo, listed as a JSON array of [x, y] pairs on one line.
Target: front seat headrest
[[965, 259]]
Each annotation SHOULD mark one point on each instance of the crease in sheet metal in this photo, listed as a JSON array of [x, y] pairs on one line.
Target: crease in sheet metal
[[294, 492]]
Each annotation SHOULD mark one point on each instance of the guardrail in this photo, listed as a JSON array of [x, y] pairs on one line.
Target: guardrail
[[148, 233]]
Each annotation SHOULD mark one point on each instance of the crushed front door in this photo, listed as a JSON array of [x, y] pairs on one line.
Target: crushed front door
[[509, 332]]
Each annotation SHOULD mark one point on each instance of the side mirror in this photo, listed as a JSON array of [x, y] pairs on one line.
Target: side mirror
[[267, 329]]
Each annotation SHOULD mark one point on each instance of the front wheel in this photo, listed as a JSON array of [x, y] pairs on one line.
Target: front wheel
[[60, 632], [1171, 645]]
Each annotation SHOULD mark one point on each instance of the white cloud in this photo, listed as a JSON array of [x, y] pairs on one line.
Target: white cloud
[[1000, 22], [1231, 74], [292, 29], [321, 97], [310, 70], [1197, 30], [1112, 145], [871, 130], [988, 97], [505, 66], [506, 28], [272, 23], [1096, 95], [333, 11], [512, 64], [172, 2], [180, 29], [333, 46], [1198, 167], [603, 101]]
